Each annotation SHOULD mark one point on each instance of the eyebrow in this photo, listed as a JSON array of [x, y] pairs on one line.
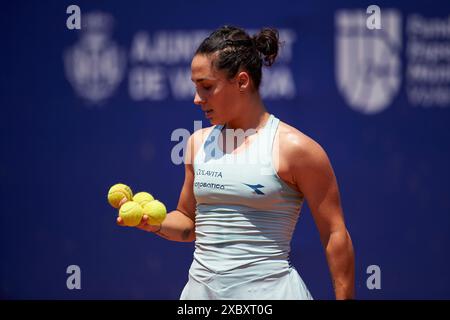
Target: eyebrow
[[200, 80]]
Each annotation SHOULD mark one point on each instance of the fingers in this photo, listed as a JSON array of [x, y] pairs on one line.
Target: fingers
[[120, 222], [147, 227], [122, 202], [142, 224], [143, 221]]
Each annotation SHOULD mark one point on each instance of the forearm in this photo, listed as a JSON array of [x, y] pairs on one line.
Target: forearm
[[176, 227], [341, 261]]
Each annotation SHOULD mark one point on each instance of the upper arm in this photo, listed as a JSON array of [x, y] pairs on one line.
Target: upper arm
[[186, 202], [315, 178]]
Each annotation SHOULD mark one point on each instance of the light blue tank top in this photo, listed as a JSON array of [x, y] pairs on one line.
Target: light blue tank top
[[246, 214]]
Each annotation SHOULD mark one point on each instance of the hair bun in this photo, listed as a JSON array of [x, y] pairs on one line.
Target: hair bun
[[267, 43]]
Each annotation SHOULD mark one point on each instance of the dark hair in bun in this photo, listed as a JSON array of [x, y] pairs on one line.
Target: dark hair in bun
[[236, 49]]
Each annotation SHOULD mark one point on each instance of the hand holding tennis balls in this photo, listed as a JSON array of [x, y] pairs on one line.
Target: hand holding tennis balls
[[133, 215], [138, 210]]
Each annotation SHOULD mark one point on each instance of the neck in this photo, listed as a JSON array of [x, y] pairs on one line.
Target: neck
[[252, 116]]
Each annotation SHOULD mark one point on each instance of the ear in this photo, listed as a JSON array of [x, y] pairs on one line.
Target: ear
[[243, 80]]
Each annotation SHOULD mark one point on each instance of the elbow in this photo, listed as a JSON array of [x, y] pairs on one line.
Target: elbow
[[338, 238], [188, 235], [339, 247]]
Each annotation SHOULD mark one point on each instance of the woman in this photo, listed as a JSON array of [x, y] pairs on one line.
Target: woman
[[245, 181]]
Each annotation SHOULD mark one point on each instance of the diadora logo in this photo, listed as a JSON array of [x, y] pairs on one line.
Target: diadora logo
[[256, 188]]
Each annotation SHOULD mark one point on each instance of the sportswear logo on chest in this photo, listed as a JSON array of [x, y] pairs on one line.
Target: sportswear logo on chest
[[256, 188]]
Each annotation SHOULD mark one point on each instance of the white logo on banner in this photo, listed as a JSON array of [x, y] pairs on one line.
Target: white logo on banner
[[428, 61], [95, 65], [158, 64], [368, 67]]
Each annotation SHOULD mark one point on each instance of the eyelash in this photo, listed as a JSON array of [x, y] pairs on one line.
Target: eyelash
[[207, 88]]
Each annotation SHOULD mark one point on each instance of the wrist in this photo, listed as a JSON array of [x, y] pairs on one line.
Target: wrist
[[158, 228]]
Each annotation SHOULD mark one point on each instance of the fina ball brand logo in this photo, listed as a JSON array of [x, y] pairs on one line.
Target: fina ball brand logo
[[367, 62], [95, 65]]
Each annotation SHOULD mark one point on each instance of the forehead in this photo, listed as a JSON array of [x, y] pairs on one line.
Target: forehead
[[202, 68]]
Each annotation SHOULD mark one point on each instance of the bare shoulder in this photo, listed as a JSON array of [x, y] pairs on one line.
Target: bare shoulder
[[298, 148], [196, 140], [201, 133]]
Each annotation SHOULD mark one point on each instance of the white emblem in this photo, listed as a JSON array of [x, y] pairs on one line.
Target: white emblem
[[368, 67], [95, 65]]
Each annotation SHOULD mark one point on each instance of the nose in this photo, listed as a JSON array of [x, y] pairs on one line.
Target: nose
[[199, 100]]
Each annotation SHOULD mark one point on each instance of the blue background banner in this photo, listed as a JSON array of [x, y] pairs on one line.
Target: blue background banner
[[85, 109]]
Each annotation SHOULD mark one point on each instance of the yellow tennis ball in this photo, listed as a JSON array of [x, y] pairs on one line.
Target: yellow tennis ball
[[156, 212], [117, 192], [143, 198], [131, 213]]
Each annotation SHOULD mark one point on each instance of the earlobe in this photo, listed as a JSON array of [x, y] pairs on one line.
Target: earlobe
[[241, 85]]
